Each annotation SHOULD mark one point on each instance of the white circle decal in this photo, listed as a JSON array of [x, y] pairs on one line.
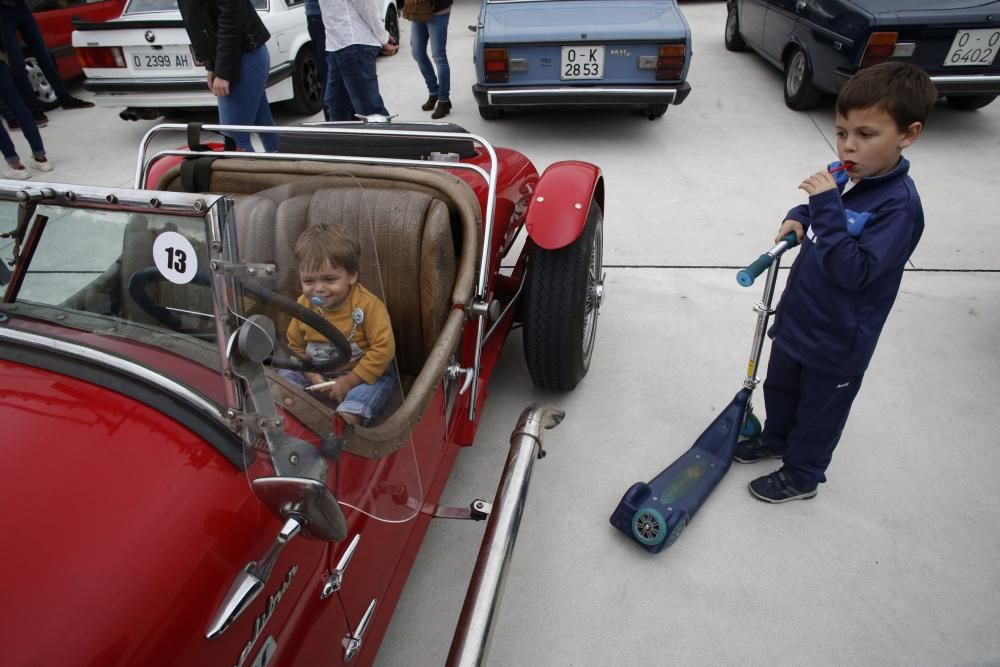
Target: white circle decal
[[175, 258]]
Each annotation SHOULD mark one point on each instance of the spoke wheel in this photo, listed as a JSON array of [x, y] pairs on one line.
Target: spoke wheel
[[564, 292], [306, 87], [649, 527]]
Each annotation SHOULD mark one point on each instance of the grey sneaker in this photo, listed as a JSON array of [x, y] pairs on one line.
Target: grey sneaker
[[753, 450], [778, 487]]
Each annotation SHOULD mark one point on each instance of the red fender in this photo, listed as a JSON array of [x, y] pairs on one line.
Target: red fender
[[558, 209]]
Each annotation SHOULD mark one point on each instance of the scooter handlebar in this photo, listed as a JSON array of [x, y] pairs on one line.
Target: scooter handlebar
[[745, 277]]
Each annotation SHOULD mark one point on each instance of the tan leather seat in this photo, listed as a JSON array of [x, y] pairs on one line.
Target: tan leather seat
[[407, 256]]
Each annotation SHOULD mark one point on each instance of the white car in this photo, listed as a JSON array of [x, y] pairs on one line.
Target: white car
[[142, 61]]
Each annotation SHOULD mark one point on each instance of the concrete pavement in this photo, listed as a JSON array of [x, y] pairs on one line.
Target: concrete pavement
[[893, 563]]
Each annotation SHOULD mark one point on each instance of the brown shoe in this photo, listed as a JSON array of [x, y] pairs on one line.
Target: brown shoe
[[441, 110], [429, 104]]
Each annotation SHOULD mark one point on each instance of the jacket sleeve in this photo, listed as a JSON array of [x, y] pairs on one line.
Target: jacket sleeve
[[856, 262], [800, 214], [229, 40], [381, 345]]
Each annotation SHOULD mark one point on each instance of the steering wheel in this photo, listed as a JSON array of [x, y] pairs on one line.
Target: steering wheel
[[283, 356]]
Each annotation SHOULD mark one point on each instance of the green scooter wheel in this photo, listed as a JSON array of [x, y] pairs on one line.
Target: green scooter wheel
[[751, 426]]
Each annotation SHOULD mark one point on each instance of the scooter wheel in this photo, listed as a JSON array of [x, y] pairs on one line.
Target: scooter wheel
[[751, 426], [649, 527], [676, 532]]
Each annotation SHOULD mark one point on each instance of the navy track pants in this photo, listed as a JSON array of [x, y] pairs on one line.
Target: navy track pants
[[806, 412]]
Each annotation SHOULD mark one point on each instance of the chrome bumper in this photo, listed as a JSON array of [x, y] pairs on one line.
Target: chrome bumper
[[482, 601], [573, 95]]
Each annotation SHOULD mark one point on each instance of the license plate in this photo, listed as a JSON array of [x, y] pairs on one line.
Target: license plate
[[164, 58], [974, 47], [582, 62]]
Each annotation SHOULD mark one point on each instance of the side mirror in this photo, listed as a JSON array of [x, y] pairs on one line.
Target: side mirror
[[307, 501]]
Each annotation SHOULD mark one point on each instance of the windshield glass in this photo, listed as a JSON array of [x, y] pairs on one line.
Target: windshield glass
[[146, 6], [314, 299], [123, 282]]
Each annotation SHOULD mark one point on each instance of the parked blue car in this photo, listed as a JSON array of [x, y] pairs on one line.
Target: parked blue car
[[820, 43], [631, 54]]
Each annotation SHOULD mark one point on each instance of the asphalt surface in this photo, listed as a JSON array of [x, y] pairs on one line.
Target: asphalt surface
[[894, 561]]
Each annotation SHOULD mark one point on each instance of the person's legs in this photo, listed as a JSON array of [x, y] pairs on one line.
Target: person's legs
[[32, 36], [438, 27], [9, 94], [15, 57], [242, 105], [261, 65], [338, 100], [317, 33], [824, 405], [419, 33], [357, 67], [366, 401]]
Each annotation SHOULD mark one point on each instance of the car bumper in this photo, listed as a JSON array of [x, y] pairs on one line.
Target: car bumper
[[175, 93], [619, 96], [951, 84]]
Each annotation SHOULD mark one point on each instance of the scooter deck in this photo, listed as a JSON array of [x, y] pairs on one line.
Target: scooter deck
[[655, 513]]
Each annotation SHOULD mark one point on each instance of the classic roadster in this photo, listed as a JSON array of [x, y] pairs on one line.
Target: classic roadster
[[176, 499]]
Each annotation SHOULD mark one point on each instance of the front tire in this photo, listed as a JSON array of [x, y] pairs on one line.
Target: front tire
[[800, 93], [308, 99], [564, 293], [971, 102], [734, 40]]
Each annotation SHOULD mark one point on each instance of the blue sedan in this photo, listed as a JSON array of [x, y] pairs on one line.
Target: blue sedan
[[820, 43], [631, 54]]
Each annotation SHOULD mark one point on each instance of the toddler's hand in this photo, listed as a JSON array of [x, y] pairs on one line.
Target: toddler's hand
[[819, 182], [791, 226], [314, 378]]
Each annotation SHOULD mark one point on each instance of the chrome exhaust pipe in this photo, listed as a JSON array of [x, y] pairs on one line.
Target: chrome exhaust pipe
[[482, 601]]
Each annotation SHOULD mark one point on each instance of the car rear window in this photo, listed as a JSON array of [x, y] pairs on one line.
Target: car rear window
[[146, 6]]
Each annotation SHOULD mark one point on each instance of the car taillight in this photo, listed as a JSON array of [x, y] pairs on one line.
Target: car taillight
[[495, 65], [670, 62], [100, 57], [879, 49]]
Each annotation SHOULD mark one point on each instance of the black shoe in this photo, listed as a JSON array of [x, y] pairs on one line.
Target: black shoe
[[41, 120], [429, 104], [75, 103], [441, 110], [49, 106], [753, 450], [778, 487]]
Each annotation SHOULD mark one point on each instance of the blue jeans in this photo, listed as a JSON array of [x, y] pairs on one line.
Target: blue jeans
[[20, 19], [436, 31], [352, 84], [365, 400], [8, 93], [246, 103], [317, 33]]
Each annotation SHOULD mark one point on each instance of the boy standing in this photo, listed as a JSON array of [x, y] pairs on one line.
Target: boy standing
[[329, 258], [844, 281]]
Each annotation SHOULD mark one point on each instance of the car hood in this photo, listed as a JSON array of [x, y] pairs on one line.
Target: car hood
[[111, 541], [574, 20]]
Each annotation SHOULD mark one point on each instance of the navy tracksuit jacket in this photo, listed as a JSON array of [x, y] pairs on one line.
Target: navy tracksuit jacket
[[838, 295]]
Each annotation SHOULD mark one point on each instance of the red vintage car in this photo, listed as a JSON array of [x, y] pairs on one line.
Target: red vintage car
[[171, 497], [55, 20]]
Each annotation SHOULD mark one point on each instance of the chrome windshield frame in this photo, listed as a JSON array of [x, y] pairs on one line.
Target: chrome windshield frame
[[212, 209]]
